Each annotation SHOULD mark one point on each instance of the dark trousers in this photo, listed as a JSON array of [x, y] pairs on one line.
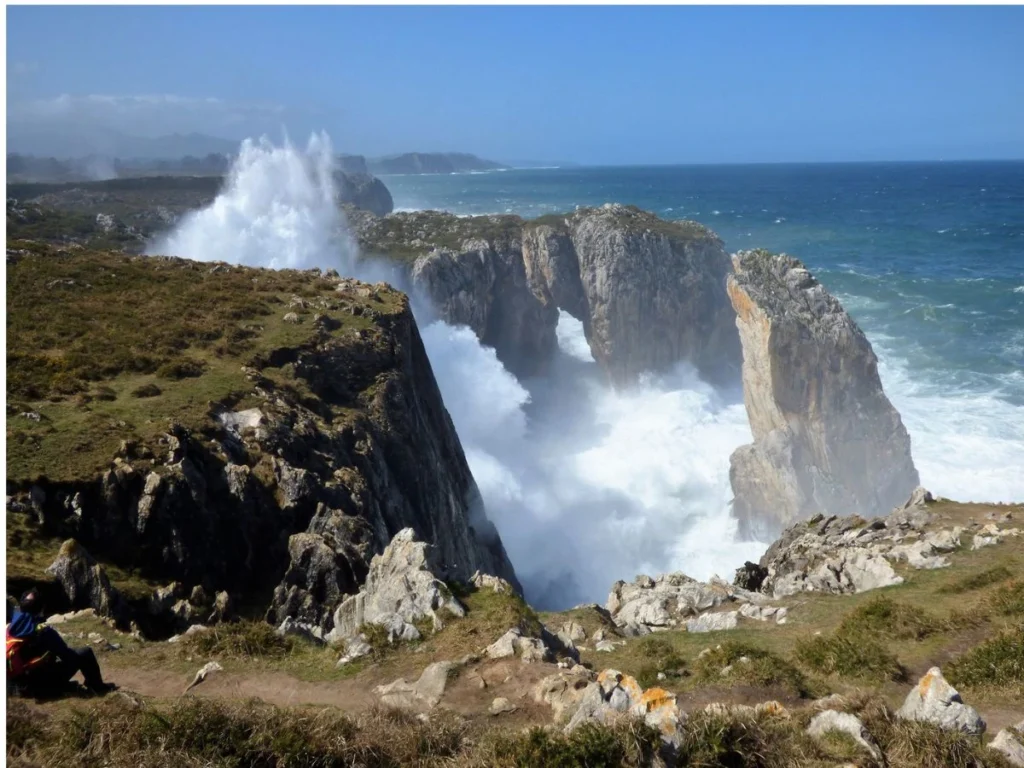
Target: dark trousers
[[65, 662]]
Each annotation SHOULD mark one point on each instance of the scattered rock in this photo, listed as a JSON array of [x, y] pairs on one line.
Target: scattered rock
[[513, 643], [355, 648], [425, 692], [935, 701], [1010, 743], [501, 706], [494, 583], [831, 720], [207, 669], [292, 318]]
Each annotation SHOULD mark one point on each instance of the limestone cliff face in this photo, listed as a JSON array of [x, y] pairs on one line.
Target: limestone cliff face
[[651, 293], [826, 438], [483, 284], [336, 440]]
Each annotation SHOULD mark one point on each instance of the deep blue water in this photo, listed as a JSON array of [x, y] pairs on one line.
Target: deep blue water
[[928, 258]]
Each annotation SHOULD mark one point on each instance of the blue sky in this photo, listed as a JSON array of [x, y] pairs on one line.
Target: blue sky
[[586, 84]]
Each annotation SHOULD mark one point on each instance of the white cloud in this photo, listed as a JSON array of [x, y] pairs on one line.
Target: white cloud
[[146, 114]]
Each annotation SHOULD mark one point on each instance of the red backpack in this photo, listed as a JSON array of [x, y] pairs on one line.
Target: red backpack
[[20, 659]]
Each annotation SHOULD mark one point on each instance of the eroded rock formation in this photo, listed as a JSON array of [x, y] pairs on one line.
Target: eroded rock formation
[[650, 293], [826, 438]]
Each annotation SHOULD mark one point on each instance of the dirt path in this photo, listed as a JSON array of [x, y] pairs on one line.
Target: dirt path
[[272, 687]]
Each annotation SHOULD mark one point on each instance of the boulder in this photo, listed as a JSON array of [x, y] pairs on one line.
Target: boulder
[[934, 700], [493, 583], [712, 622], [1010, 743], [843, 722], [826, 438], [426, 692], [513, 643], [563, 691], [501, 706], [751, 576], [85, 582], [400, 590], [615, 695], [322, 571]]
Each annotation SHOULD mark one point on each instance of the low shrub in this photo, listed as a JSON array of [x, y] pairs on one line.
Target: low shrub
[[883, 617], [749, 665], [857, 656], [996, 662], [977, 581], [147, 390], [240, 640]]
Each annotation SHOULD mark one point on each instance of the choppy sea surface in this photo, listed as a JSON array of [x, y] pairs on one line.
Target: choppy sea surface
[[927, 257]]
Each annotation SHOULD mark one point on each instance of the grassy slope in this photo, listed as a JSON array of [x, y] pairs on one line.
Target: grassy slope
[[79, 355]]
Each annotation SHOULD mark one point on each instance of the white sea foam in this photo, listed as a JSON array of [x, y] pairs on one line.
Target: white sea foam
[[967, 445]]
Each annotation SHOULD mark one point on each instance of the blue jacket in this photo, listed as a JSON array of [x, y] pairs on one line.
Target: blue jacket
[[22, 624]]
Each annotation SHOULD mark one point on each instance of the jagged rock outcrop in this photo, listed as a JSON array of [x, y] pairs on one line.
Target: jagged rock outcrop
[[826, 438], [934, 700], [344, 441], [85, 582], [850, 554], [673, 600], [650, 293], [366, 192], [400, 590]]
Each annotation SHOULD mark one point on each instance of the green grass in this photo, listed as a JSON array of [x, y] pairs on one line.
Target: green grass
[[850, 656], [152, 341], [884, 618], [658, 656], [977, 581], [238, 640], [1008, 600], [995, 663], [750, 665]]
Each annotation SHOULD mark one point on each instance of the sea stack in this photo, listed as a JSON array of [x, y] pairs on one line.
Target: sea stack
[[826, 438]]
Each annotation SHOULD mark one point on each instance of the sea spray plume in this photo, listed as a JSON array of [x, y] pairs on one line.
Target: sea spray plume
[[585, 485], [278, 209]]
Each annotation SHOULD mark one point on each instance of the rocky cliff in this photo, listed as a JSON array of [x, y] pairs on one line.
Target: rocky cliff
[[365, 192], [238, 429], [650, 293], [826, 438]]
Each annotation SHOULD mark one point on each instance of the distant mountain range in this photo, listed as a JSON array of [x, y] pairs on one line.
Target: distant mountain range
[[432, 162], [72, 143]]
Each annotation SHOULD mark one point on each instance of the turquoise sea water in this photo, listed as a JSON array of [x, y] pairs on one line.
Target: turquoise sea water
[[927, 257]]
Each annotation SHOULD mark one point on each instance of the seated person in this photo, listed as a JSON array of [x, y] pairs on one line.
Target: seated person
[[39, 660]]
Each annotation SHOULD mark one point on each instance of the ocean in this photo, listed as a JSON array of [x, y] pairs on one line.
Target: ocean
[[586, 484], [927, 257]]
